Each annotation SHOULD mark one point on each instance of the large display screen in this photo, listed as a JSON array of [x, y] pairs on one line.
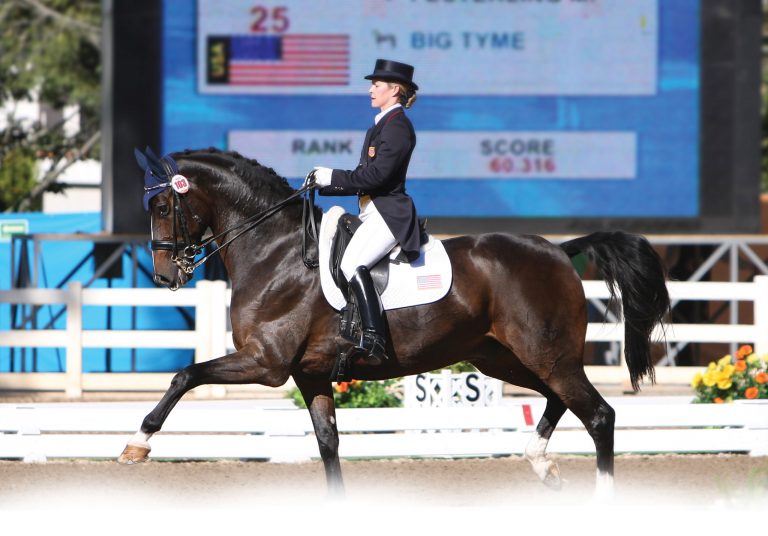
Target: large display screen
[[543, 116], [560, 108]]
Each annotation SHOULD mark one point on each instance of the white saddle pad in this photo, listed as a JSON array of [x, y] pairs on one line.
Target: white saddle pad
[[425, 280]]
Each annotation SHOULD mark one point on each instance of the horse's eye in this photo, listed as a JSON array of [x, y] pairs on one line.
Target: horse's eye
[[162, 210]]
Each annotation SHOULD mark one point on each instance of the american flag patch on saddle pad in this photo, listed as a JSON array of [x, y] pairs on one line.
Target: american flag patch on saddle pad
[[425, 282]]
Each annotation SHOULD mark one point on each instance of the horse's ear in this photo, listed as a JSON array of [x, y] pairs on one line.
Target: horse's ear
[[141, 159], [154, 162], [151, 154]]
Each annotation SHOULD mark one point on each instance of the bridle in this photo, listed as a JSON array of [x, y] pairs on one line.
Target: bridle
[[183, 253]]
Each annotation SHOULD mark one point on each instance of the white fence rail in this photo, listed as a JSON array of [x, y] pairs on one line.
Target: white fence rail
[[237, 429], [210, 337]]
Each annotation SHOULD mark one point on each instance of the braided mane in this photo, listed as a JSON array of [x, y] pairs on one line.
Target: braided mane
[[257, 185]]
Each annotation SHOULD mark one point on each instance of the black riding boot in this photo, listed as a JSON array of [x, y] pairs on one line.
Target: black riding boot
[[373, 341]]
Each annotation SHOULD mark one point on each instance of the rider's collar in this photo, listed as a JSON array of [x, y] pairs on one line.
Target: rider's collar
[[380, 115]]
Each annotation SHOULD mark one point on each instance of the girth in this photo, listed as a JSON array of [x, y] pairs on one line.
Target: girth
[[347, 226]]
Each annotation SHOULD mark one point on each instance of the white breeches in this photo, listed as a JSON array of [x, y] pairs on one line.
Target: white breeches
[[369, 244]]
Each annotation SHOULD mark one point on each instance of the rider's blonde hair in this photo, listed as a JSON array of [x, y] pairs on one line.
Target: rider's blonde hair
[[406, 96]]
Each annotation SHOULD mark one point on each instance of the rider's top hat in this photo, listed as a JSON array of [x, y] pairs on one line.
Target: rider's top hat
[[393, 71]]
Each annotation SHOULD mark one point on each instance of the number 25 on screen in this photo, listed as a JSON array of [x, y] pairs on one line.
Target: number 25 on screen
[[269, 19]]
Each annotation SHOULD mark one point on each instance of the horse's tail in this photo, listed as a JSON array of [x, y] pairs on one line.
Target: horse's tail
[[630, 262]]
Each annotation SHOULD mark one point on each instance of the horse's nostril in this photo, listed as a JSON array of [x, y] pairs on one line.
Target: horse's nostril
[[161, 280]]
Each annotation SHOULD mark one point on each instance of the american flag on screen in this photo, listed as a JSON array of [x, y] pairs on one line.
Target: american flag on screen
[[426, 282], [279, 60]]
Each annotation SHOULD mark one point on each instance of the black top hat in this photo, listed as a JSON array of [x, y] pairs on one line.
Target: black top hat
[[393, 71]]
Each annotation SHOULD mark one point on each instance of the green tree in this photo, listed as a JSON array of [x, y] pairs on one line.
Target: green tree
[[50, 51], [17, 176]]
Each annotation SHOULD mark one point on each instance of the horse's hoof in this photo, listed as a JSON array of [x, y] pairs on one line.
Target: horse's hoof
[[547, 471], [552, 477], [336, 492], [134, 453]]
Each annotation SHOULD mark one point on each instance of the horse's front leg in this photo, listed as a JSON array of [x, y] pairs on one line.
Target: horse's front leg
[[318, 396], [239, 367]]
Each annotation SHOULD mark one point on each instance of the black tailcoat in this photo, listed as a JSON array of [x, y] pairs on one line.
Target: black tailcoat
[[381, 174]]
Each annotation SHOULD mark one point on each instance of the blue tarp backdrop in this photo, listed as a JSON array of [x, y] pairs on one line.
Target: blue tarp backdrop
[[57, 260]]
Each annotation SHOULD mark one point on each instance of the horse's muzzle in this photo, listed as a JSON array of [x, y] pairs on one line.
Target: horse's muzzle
[[179, 281], [161, 280]]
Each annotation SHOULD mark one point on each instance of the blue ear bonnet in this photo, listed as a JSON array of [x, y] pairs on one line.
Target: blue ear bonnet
[[157, 173]]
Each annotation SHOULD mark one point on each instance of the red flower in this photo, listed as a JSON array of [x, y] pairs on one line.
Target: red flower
[[751, 393], [740, 365], [342, 387], [718, 400], [761, 377], [743, 351]]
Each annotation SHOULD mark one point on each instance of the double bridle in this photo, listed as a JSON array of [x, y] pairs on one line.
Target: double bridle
[[183, 253]]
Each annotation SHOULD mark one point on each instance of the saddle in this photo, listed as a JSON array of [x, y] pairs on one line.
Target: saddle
[[350, 324], [345, 229]]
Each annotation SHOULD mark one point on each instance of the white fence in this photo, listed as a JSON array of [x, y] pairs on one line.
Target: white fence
[[247, 430], [210, 337]]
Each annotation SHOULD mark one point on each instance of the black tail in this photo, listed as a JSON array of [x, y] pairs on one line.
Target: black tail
[[630, 262]]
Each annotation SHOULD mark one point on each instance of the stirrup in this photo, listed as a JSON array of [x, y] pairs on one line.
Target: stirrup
[[346, 358], [374, 346]]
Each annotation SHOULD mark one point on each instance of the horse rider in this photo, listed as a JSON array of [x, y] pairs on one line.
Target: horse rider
[[387, 212]]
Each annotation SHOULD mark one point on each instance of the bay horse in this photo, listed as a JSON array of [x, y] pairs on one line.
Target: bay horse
[[516, 309]]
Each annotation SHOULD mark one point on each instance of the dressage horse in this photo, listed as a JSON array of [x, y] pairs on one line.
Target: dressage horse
[[516, 309]]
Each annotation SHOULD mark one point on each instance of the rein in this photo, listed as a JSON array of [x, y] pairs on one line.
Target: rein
[[309, 226], [186, 262]]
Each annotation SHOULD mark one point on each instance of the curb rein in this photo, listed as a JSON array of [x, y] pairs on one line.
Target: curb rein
[[186, 261]]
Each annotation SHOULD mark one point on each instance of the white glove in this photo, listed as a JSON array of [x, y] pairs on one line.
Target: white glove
[[323, 176]]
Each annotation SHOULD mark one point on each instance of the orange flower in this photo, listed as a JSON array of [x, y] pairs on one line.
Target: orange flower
[[718, 400], [751, 393], [743, 351], [342, 387], [761, 377], [741, 365]]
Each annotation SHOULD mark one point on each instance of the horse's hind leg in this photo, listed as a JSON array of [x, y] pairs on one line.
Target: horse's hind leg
[[567, 387], [536, 449], [318, 396], [598, 417], [239, 367], [546, 329]]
